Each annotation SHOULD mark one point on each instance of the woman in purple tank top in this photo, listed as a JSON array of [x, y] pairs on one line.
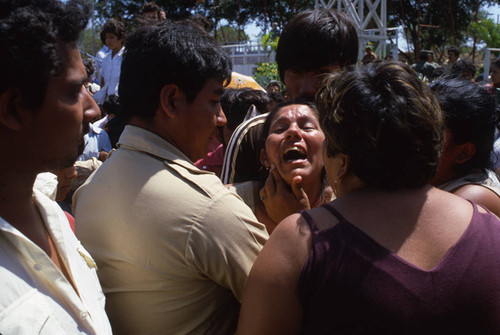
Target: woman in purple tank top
[[392, 254]]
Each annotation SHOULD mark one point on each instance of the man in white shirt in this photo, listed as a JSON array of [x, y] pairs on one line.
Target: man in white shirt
[[48, 280], [109, 77]]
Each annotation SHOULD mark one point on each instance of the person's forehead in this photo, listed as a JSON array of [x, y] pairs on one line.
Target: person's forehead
[[293, 112]]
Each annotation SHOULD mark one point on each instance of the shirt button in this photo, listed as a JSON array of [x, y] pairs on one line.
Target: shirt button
[[37, 267], [84, 315]]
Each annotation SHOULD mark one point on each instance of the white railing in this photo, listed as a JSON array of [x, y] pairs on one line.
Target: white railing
[[246, 55]]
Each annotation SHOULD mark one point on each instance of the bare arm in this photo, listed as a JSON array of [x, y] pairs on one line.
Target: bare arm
[[270, 303], [481, 196]]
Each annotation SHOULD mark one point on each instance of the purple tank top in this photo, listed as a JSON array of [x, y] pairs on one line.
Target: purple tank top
[[350, 284]]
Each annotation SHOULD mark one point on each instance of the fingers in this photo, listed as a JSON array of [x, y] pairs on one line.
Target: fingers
[[299, 193]]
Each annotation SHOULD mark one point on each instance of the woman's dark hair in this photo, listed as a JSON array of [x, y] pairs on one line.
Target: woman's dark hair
[[32, 34], [386, 120], [317, 38], [470, 116]]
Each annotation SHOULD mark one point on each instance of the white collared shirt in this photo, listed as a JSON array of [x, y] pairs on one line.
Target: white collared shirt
[[35, 296]]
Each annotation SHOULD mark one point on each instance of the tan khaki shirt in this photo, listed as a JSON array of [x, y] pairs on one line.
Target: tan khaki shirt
[[174, 247]]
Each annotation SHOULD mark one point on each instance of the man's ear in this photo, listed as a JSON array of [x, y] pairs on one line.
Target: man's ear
[[263, 159], [169, 99], [10, 116], [466, 151]]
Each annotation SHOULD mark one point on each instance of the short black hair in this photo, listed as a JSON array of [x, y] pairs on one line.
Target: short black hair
[[455, 50], [89, 67], [32, 34], [236, 102], [113, 27], [178, 53], [150, 7], [317, 38], [386, 120], [470, 116]]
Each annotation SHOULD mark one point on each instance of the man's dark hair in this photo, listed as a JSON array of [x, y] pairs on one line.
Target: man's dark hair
[[470, 116], [454, 50], [114, 27], [173, 53], [423, 55], [150, 7], [32, 34], [236, 102], [89, 67], [317, 38]]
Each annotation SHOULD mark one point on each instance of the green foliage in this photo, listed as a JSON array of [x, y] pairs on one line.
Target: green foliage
[[228, 34], [265, 72], [486, 31], [270, 41], [442, 22]]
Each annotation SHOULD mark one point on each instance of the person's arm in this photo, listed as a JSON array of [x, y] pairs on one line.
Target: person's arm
[[270, 302], [481, 196]]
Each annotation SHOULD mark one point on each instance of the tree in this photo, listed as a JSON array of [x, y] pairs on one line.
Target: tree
[[486, 31], [434, 24], [227, 34]]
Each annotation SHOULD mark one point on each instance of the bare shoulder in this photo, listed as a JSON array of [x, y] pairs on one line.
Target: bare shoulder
[[481, 196]]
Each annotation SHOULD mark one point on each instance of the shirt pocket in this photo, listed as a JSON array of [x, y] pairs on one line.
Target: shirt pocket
[[30, 314]]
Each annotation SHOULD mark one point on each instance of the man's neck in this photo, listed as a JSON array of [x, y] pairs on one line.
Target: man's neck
[[16, 191]]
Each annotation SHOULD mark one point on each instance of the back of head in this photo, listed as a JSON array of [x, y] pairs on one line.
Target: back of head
[[423, 55], [236, 102], [317, 38], [461, 67], [470, 116], [32, 33], [177, 53], [386, 120]]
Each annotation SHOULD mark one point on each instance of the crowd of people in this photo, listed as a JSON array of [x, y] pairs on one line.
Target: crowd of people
[[363, 201]]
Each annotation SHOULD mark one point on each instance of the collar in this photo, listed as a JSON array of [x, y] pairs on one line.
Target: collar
[[140, 139]]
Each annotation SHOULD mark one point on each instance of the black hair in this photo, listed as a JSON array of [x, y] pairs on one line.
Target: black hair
[[32, 35], [454, 50], [113, 27], [267, 124], [89, 67], [462, 66], [317, 38], [470, 116], [150, 7], [111, 105], [276, 97], [236, 102], [386, 120], [172, 53]]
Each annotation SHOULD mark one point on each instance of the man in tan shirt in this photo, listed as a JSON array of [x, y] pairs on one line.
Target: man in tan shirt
[[174, 247]]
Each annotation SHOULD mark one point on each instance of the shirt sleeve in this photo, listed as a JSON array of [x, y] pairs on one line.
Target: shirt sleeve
[[224, 244]]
